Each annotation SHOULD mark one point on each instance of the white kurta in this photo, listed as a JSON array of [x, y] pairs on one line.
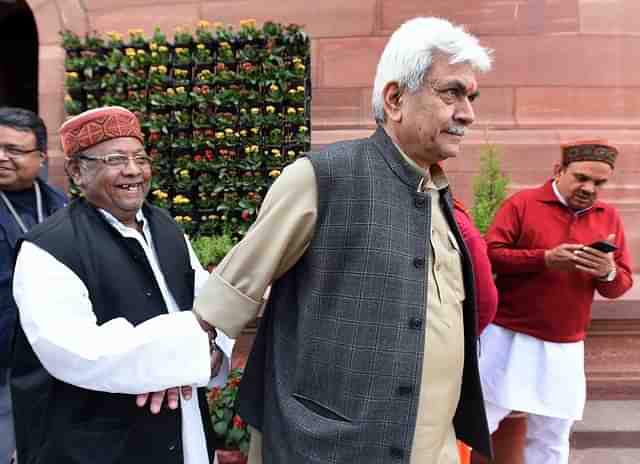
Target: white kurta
[[116, 357], [523, 373]]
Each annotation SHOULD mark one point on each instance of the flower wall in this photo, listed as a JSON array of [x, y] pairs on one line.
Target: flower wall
[[223, 111]]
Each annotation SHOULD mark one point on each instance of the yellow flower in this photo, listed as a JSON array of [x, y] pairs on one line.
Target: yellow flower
[[271, 109], [204, 24], [114, 36], [300, 67], [154, 54], [180, 72], [219, 135], [255, 130], [153, 46], [292, 91], [243, 132], [178, 218], [200, 46], [300, 88], [228, 131], [274, 173], [274, 88], [72, 75], [179, 89], [130, 52], [162, 69], [291, 153], [291, 110], [153, 69], [217, 24], [213, 217], [296, 60], [141, 52], [275, 151], [68, 98], [184, 173], [302, 129], [255, 110], [163, 49], [171, 92], [187, 219], [225, 45], [300, 109]]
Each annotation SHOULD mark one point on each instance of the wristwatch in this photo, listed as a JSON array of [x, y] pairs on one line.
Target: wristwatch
[[609, 277]]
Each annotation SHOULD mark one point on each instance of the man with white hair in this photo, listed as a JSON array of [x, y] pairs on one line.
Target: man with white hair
[[367, 349]]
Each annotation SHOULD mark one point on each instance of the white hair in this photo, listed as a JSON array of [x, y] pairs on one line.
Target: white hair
[[408, 55]]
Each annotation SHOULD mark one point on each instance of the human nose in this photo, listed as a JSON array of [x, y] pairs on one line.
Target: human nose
[[589, 187], [131, 167], [464, 112], [3, 152]]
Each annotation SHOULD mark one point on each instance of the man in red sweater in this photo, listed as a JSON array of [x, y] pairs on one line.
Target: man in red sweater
[[532, 356]]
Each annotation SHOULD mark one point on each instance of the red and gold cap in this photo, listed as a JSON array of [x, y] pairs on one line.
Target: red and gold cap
[[95, 126], [589, 150]]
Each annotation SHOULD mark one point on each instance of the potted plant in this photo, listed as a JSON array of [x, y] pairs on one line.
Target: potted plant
[[210, 250], [228, 427]]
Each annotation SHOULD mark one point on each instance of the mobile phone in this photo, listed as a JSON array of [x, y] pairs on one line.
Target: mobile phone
[[604, 246]]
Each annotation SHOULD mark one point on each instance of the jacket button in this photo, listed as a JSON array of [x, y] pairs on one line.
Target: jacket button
[[172, 446], [418, 262], [404, 390], [415, 323], [148, 293], [419, 202], [396, 453]]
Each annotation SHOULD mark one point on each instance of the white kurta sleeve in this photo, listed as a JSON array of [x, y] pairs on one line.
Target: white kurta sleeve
[[57, 317], [224, 343]]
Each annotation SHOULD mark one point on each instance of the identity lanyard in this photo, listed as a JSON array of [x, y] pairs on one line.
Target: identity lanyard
[[15, 214]]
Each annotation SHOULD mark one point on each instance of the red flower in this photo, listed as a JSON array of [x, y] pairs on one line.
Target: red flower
[[245, 215], [197, 158], [237, 422], [220, 66], [214, 393], [247, 66]]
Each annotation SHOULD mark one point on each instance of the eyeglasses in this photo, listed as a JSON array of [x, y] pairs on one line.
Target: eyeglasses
[[120, 160], [14, 152]]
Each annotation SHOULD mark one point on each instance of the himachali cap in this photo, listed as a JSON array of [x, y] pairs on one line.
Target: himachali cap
[[99, 125], [589, 150]]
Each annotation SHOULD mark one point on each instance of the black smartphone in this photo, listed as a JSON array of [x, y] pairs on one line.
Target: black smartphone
[[604, 246]]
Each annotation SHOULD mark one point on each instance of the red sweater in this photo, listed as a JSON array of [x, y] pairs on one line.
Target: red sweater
[[486, 293], [548, 304]]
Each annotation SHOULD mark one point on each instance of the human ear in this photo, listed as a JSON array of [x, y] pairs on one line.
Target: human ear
[[392, 96]]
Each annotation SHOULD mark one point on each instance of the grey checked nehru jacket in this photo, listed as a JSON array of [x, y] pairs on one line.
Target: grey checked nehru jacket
[[334, 373]]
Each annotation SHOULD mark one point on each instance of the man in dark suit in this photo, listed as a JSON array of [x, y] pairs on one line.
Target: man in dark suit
[[25, 200]]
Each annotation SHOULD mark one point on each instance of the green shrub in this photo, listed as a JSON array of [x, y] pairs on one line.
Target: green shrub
[[211, 250], [489, 187]]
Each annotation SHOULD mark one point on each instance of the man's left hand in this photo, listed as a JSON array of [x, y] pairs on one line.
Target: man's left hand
[[594, 262], [157, 398]]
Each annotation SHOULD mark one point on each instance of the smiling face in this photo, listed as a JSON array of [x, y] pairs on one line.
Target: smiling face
[[121, 190], [429, 125], [18, 173], [580, 182]]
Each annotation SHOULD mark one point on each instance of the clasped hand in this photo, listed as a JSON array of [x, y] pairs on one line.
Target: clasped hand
[[576, 257], [156, 399]]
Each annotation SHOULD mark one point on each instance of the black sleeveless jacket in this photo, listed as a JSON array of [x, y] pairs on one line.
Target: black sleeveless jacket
[[60, 423]]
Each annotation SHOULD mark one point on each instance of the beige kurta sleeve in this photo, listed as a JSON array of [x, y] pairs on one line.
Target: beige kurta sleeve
[[233, 294]]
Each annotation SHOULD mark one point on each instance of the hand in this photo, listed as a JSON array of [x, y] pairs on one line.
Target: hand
[[217, 356], [594, 262], [157, 398], [562, 257]]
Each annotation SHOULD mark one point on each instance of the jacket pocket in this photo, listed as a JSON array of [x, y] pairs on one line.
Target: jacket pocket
[[320, 409]]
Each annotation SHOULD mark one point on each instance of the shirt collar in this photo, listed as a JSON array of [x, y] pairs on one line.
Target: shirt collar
[[434, 178], [120, 227]]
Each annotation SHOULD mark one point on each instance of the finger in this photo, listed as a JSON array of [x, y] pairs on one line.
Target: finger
[[156, 401], [187, 392], [588, 270], [216, 362], [572, 246], [172, 397], [141, 399]]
